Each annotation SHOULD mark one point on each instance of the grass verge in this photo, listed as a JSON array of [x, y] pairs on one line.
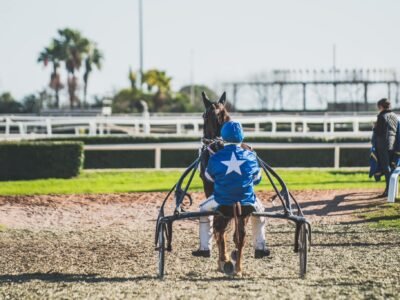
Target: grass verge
[[162, 180], [388, 216]]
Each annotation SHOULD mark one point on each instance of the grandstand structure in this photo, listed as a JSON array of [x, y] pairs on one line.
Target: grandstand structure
[[323, 90]]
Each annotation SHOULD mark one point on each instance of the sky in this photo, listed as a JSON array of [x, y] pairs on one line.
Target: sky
[[215, 40]]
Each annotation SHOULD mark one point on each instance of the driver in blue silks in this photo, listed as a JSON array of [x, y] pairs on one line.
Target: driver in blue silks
[[235, 172]]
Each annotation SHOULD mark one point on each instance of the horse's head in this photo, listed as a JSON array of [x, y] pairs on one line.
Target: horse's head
[[214, 116]]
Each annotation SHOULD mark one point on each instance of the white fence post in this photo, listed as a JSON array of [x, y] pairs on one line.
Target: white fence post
[[21, 129], [146, 125], [92, 128], [49, 131], [108, 128], [273, 127], [157, 158], [101, 128], [178, 128], [196, 128], [356, 126], [8, 123], [337, 157]]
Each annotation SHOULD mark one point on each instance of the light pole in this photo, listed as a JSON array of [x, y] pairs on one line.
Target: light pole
[[334, 73], [192, 77], [141, 43]]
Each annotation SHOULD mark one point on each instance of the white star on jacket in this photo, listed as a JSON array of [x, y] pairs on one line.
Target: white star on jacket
[[233, 165]]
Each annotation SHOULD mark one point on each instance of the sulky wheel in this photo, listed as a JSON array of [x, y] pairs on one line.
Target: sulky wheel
[[161, 250], [303, 248]]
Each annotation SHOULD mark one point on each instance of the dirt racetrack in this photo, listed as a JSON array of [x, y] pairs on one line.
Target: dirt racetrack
[[102, 246]]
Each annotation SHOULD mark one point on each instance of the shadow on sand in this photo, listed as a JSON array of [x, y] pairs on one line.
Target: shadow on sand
[[61, 277], [340, 205]]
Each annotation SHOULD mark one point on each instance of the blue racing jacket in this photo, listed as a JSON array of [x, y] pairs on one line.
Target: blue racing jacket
[[234, 172]]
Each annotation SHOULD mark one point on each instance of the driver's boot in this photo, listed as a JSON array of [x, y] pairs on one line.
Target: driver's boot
[[201, 253], [260, 253]]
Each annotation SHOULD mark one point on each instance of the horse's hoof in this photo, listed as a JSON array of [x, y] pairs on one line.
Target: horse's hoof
[[239, 274], [221, 266]]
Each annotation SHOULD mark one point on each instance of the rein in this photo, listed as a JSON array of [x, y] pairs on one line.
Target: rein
[[206, 144]]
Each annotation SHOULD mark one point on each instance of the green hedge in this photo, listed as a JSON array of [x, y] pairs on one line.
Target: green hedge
[[102, 140], [178, 158], [34, 160], [354, 157], [119, 159], [182, 158], [293, 158], [279, 158]]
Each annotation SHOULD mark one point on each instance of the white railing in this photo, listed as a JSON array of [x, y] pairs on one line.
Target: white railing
[[158, 147], [31, 127]]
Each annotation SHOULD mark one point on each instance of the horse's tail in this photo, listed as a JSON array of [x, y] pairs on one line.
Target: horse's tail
[[237, 212]]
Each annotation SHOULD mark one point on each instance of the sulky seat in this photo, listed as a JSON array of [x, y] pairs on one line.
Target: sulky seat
[[394, 186], [227, 210]]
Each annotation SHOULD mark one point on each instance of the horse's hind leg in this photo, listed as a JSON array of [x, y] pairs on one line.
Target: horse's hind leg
[[220, 225], [240, 242]]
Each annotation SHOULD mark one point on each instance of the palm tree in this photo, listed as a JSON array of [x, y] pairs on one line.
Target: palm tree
[[71, 48], [132, 79], [159, 80], [74, 46], [53, 54], [94, 57]]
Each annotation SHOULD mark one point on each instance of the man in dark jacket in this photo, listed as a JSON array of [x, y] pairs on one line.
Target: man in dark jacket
[[385, 131]]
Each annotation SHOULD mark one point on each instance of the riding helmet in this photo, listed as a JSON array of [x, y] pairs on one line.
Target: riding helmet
[[232, 132]]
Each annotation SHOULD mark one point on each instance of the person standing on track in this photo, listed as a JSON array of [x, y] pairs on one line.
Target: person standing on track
[[384, 137], [234, 171]]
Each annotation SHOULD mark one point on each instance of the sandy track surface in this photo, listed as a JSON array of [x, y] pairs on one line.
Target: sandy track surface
[[102, 246], [138, 210]]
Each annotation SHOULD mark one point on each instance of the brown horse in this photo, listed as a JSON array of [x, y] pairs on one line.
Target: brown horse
[[214, 118]]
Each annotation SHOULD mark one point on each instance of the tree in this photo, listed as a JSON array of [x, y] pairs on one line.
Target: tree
[[127, 101], [74, 46], [177, 103], [158, 80], [197, 90], [71, 48], [8, 105], [31, 104], [54, 54], [94, 58], [132, 78], [158, 97]]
